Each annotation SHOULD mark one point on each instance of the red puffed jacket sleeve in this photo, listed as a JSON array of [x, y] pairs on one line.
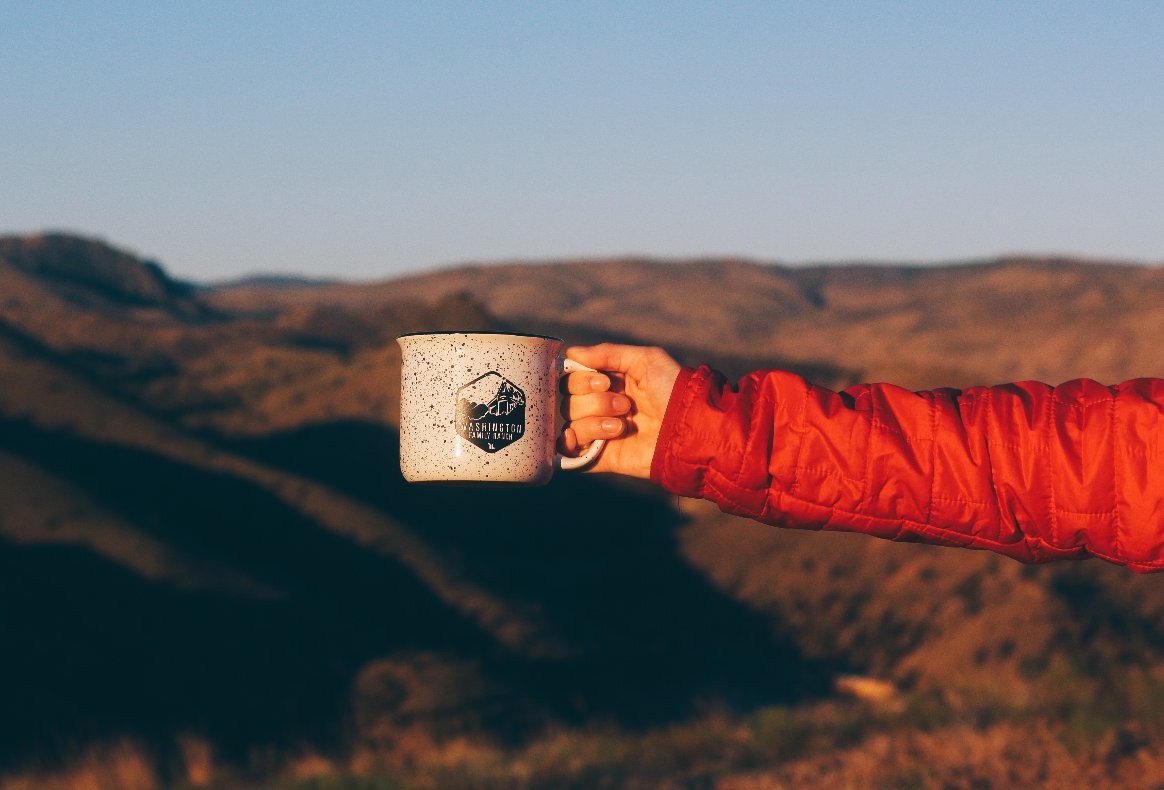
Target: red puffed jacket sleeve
[[1026, 470]]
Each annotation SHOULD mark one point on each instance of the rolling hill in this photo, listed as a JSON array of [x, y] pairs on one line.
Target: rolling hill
[[207, 551]]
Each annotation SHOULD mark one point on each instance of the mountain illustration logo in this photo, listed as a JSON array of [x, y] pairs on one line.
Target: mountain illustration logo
[[491, 412]]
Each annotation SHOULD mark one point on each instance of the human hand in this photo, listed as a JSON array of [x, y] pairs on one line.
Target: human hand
[[625, 403]]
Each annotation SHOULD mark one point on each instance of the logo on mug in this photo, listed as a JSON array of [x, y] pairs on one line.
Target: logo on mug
[[491, 412]]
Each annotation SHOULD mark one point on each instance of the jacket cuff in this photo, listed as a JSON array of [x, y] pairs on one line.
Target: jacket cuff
[[666, 470]]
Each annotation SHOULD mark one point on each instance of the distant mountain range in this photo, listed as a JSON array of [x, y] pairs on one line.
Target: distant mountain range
[[273, 282], [203, 528]]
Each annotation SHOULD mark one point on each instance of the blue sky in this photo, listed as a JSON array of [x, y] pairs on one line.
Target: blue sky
[[364, 140]]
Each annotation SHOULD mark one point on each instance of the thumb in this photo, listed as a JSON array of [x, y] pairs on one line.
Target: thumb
[[611, 357]]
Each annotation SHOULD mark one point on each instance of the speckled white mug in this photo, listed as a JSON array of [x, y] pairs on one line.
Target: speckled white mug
[[481, 407]]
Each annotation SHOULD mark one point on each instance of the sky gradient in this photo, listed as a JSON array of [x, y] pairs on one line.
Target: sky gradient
[[364, 140]]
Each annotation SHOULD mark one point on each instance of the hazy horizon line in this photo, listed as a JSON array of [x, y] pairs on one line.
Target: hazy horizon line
[[421, 270]]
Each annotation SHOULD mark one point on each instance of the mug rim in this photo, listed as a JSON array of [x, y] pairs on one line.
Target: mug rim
[[480, 332]]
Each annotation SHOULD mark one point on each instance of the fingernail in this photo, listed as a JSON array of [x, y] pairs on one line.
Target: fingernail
[[620, 402], [597, 382], [611, 425]]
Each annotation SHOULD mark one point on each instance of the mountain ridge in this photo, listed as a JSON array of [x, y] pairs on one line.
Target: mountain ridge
[[221, 497], [92, 267]]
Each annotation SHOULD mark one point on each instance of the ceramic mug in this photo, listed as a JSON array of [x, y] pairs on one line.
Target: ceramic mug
[[481, 407]]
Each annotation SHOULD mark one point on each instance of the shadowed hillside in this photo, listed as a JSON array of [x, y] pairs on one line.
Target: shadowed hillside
[[212, 570], [85, 270]]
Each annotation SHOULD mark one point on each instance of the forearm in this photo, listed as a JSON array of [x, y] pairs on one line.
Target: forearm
[[1024, 470]]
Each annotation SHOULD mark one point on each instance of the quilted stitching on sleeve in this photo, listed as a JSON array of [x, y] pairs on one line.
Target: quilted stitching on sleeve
[[1030, 471]]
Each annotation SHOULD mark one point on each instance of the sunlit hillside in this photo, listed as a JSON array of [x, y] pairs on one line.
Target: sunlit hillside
[[213, 575]]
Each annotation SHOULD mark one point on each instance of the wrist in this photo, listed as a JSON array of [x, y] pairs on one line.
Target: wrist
[[686, 384]]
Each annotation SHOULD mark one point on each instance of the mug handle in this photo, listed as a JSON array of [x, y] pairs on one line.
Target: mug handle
[[566, 462]]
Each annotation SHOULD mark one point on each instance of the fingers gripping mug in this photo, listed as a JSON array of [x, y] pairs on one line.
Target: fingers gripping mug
[[481, 407]]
